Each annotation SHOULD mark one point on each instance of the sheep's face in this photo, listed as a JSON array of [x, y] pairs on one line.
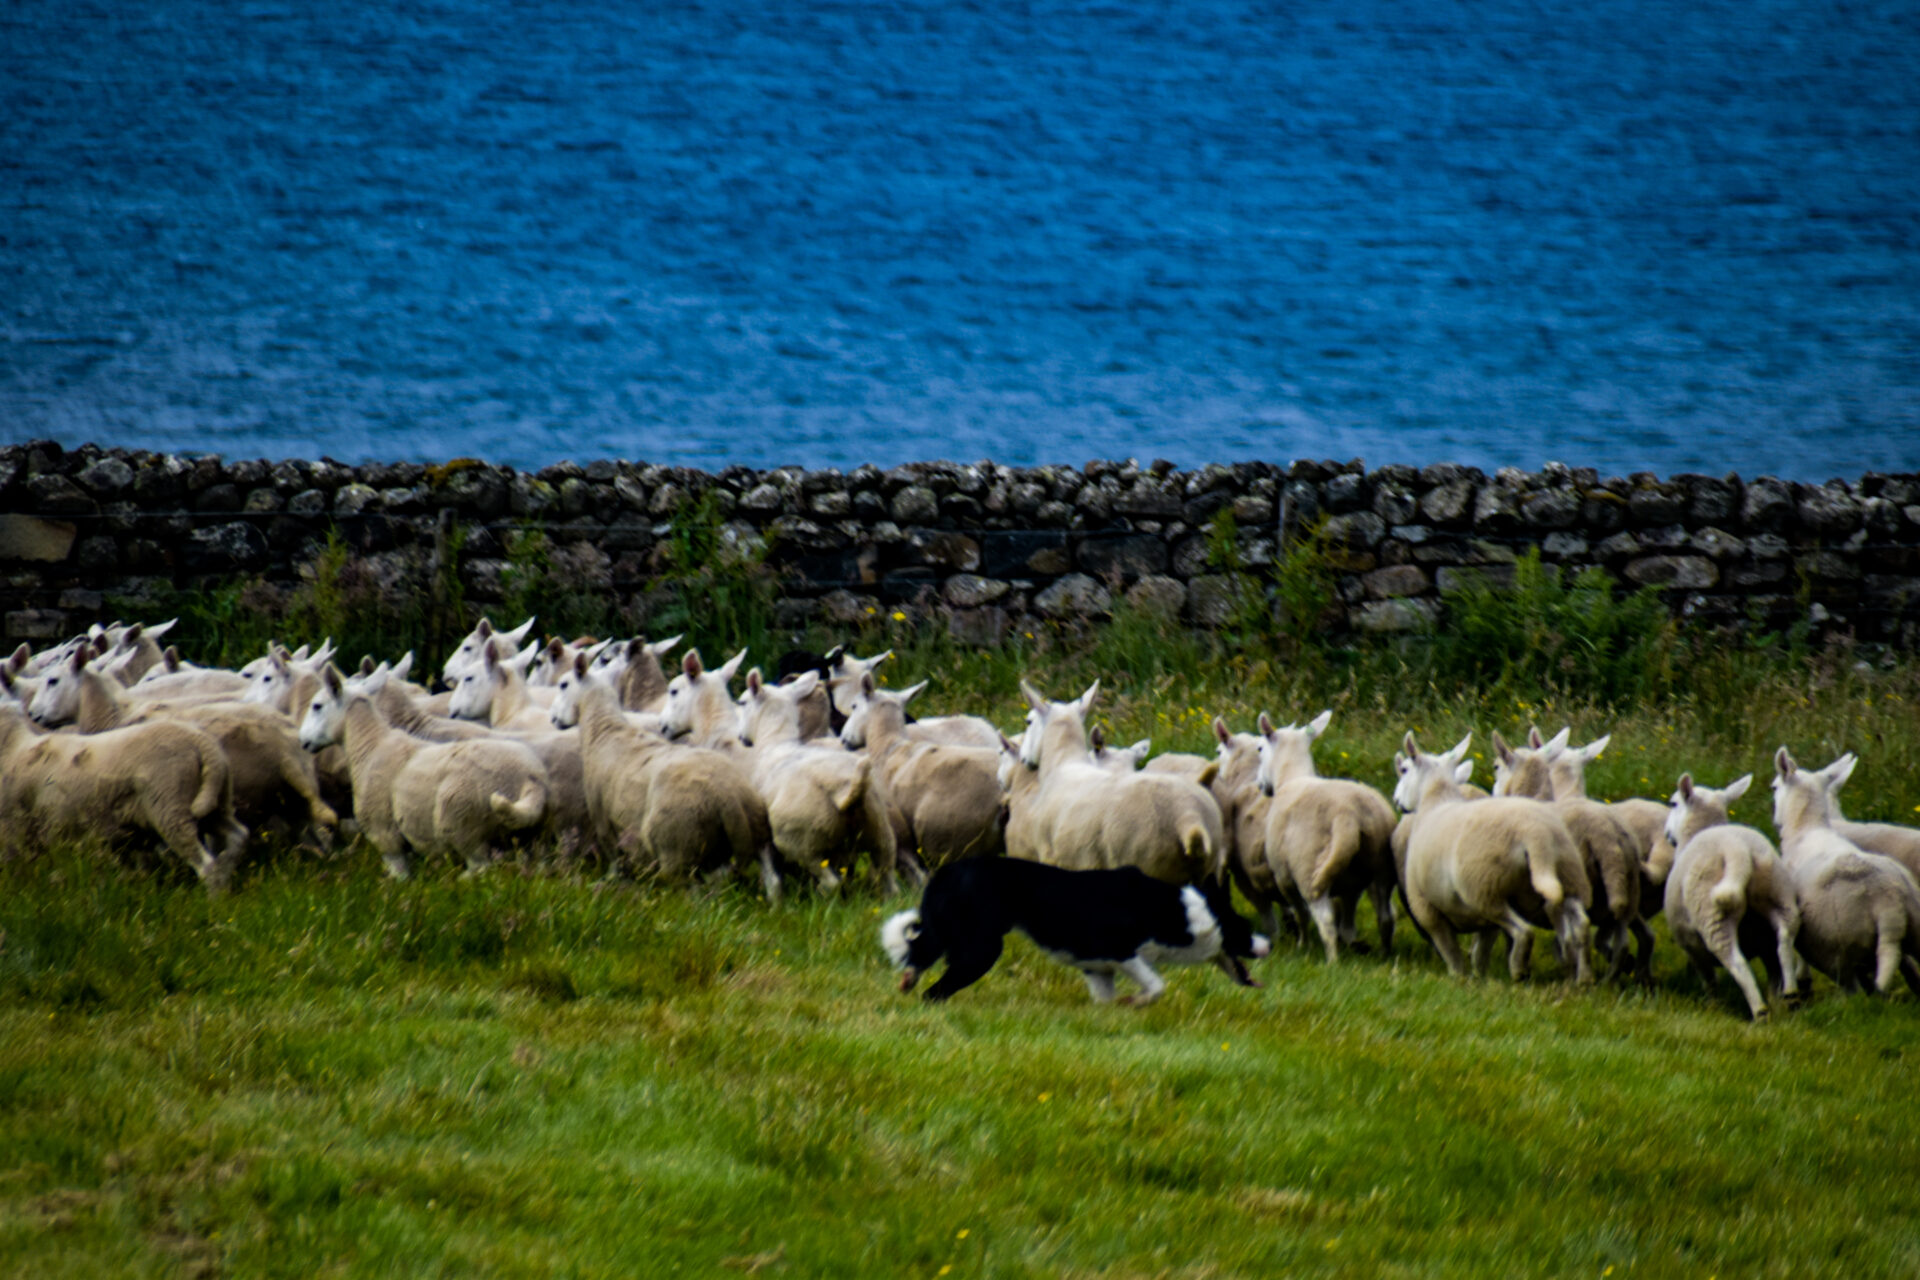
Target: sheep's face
[[57, 700], [844, 672], [325, 716], [473, 694], [853, 734], [564, 711]]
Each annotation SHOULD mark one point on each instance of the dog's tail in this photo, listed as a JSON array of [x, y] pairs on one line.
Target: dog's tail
[[897, 936]]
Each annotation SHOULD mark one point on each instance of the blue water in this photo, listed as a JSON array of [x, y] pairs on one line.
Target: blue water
[[1627, 234]]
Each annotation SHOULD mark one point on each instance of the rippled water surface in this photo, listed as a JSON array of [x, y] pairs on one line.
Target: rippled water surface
[[1632, 234]]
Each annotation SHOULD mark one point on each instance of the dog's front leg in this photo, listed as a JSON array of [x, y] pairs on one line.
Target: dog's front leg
[[1101, 985], [1151, 983]]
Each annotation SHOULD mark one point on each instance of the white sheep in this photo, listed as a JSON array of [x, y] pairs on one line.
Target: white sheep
[[459, 799], [1614, 865], [683, 810], [946, 801], [1887, 839], [1085, 816], [1645, 819], [821, 800], [1728, 884], [1859, 912], [1477, 866], [844, 672], [1328, 839], [168, 779], [466, 654], [698, 710]]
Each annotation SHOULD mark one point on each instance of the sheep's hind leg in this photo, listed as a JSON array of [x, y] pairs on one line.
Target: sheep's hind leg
[[1736, 964], [1382, 896], [1519, 946], [769, 875], [1440, 933], [1326, 920], [1642, 953], [1482, 952]]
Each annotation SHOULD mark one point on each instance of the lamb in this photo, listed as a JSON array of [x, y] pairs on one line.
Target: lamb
[[165, 778], [1646, 820], [1243, 815], [1328, 839], [1613, 860], [1116, 759], [1474, 866], [1902, 844], [1084, 816], [136, 652], [683, 809], [493, 691], [1859, 912], [271, 772], [466, 654], [634, 668], [821, 801], [1727, 885], [843, 683], [699, 711], [462, 799], [946, 801]]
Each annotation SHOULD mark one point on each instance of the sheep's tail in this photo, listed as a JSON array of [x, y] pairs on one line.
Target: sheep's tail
[[1620, 875], [1343, 842], [524, 812], [1197, 847], [855, 789], [216, 780], [1542, 868], [1730, 892]]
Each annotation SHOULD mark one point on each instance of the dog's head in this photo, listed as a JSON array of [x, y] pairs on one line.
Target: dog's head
[[907, 946], [1238, 941]]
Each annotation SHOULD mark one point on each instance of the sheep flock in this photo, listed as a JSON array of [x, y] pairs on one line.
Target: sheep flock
[[688, 772]]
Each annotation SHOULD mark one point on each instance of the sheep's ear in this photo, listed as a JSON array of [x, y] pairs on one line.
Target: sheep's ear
[[1534, 739], [300, 654], [404, 666], [1085, 700], [1208, 773], [1593, 749], [171, 657], [77, 663], [732, 665], [1008, 745], [1558, 742], [581, 665], [753, 682], [803, 685], [1222, 732], [483, 629], [1097, 739], [1686, 787], [1783, 765], [1505, 752], [1463, 772], [661, 648], [366, 663], [21, 657], [691, 664], [325, 650], [278, 663], [1459, 751], [885, 655], [330, 677], [1842, 769], [1738, 787], [519, 633], [1399, 763], [491, 656], [1412, 748], [1033, 697], [555, 647], [866, 683], [911, 692], [1318, 725]]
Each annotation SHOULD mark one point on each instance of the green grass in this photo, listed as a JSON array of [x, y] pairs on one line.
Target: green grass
[[328, 1074]]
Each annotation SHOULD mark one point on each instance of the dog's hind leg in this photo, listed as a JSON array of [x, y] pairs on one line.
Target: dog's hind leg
[[967, 963], [1101, 985], [1151, 983]]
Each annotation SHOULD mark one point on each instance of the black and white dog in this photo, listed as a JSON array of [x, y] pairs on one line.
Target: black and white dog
[[1101, 922]]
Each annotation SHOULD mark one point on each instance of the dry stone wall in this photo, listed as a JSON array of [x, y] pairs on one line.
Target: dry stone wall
[[983, 549]]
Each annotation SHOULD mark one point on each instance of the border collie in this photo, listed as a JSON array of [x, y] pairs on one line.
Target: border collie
[[1102, 923]]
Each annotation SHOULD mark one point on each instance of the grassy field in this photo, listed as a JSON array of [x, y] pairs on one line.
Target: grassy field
[[538, 1073]]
